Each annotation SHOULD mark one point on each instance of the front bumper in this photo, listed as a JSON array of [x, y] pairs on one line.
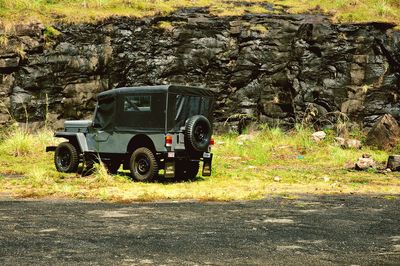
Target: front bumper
[[51, 148]]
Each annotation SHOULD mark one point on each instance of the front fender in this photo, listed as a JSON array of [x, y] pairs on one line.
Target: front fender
[[79, 138]]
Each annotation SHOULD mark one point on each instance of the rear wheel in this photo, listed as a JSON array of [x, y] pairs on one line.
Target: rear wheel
[[143, 165], [66, 158], [186, 170]]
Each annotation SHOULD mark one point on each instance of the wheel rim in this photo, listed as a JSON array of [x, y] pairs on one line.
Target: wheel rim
[[142, 165], [199, 133], [64, 158]]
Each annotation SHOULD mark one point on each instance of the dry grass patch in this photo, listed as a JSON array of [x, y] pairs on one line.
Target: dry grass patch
[[73, 11], [264, 163]]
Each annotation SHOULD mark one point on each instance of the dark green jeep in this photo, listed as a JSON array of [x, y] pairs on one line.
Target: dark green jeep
[[146, 129]]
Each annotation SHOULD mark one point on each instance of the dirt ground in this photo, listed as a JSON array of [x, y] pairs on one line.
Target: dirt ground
[[317, 230]]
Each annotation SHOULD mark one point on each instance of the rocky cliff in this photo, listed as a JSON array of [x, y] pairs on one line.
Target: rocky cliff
[[276, 69]]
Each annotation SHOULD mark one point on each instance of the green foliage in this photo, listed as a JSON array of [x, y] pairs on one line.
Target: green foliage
[[50, 32], [165, 25], [259, 28]]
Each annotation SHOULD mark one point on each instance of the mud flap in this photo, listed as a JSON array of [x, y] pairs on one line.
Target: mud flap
[[169, 171], [207, 165]]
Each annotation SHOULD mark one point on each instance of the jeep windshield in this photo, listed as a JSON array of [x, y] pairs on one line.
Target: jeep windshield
[[182, 107]]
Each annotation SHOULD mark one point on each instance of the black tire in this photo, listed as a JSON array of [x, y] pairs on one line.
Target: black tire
[[198, 133], [143, 165], [112, 167], [66, 158], [186, 170]]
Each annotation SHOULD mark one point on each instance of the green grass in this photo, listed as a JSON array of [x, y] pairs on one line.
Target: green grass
[[50, 11], [270, 162]]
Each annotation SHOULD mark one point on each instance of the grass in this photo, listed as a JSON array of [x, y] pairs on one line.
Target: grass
[[349, 10], [269, 162], [73, 11]]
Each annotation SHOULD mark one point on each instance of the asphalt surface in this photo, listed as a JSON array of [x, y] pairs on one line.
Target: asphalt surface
[[324, 230]]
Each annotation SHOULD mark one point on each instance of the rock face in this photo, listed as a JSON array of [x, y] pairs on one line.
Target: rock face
[[276, 69], [384, 134]]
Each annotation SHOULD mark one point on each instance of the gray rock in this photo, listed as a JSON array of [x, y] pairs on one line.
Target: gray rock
[[9, 62], [393, 163], [365, 164], [384, 134], [318, 136], [353, 144], [348, 143]]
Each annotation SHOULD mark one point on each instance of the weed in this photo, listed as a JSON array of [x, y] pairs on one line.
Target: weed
[[383, 8], [50, 34], [19, 143], [3, 40], [19, 50], [165, 25], [259, 28]]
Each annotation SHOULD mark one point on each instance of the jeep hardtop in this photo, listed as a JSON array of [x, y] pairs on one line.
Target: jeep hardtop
[[146, 129]]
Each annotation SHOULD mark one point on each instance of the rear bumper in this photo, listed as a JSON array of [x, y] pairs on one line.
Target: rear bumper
[[171, 158]]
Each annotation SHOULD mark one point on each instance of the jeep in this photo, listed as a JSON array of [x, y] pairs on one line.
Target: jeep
[[146, 129]]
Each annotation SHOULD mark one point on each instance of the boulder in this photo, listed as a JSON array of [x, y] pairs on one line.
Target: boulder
[[365, 162], [245, 138], [393, 163], [348, 143], [353, 144], [318, 136], [384, 134], [340, 141]]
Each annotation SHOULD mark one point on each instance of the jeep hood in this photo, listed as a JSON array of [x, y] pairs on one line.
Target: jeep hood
[[77, 123]]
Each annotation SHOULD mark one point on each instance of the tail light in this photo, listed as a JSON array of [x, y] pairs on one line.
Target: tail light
[[168, 140], [212, 141]]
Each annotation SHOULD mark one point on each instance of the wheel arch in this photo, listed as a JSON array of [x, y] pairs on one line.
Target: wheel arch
[[76, 139], [140, 140]]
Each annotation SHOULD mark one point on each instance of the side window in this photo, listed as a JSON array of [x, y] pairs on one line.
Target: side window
[[137, 103], [144, 111]]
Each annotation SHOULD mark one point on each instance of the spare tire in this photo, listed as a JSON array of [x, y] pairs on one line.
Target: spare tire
[[198, 133]]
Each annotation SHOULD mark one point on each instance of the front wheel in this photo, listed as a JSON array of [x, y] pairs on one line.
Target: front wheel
[[143, 165], [66, 158]]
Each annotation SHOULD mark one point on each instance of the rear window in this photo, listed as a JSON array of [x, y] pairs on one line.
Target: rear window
[[186, 106]]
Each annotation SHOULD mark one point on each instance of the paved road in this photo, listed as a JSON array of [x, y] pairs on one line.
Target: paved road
[[307, 231]]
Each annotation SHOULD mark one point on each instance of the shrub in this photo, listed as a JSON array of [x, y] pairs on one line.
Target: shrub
[[18, 142]]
